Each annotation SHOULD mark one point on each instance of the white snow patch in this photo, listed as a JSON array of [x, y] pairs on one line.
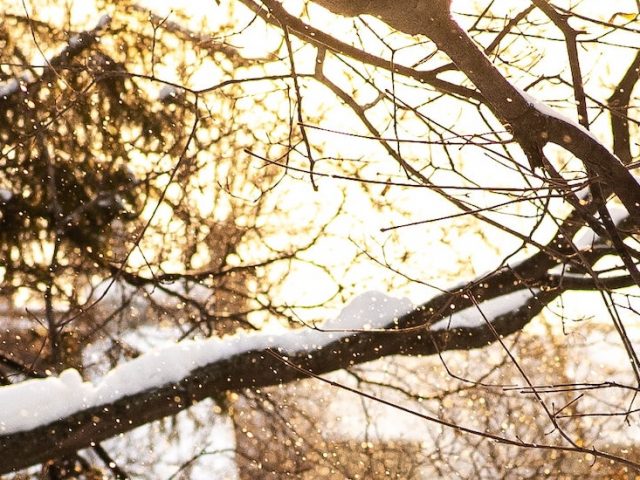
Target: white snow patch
[[220, 443], [9, 88], [169, 92], [5, 195], [589, 238], [584, 194], [163, 451], [12, 86], [474, 317], [370, 310], [38, 402], [104, 21], [76, 40], [111, 201], [546, 110]]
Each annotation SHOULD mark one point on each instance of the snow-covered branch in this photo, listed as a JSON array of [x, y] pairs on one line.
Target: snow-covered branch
[[167, 380], [46, 418], [22, 409]]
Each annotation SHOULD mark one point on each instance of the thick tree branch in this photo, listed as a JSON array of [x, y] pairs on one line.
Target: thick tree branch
[[533, 124], [250, 369], [277, 15], [412, 334]]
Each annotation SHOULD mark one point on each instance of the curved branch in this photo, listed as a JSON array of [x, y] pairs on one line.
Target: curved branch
[[426, 330], [533, 123], [323, 40], [251, 368]]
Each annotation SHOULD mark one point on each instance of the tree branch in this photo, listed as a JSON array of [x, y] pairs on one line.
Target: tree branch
[[533, 124], [250, 369]]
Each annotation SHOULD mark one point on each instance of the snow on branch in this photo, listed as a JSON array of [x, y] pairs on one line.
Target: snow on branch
[[77, 40], [477, 317], [23, 407], [547, 111], [39, 402], [5, 195], [15, 84], [589, 238]]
